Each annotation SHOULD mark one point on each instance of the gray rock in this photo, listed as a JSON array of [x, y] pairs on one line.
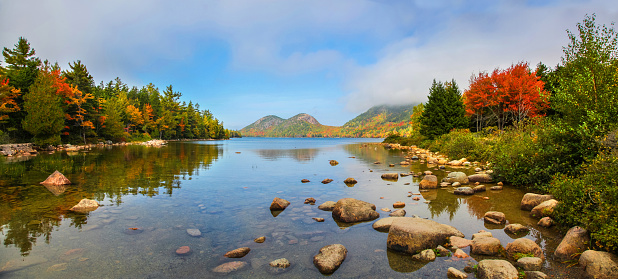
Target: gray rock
[[574, 242], [496, 269], [599, 264], [530, 263], [453, 177], [412, 235], [85, 205], [464, 191], [479, 188], [481, 234], [481, 178], [351, 210], [329, 258], [530, 200], [229, 267], [194, 232]]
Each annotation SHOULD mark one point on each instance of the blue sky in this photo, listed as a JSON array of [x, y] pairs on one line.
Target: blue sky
[[332, 59]]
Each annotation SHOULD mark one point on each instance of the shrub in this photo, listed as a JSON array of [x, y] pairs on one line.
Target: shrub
[[591, 200], [462, 143]]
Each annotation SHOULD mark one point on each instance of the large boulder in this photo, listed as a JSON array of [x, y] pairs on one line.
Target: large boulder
[[545, 209], [412, 235], [494, 217], [390, 176], [56, 178], [574, 242], [279, 204], [523, 246], [481, 178], [456, 176], [351, 210], [459, 242], [330, 258], [428, 182], [496, 269], [530, 263], [599, 264], [530, 200], [85, 205], [489, 246], [384, 224]]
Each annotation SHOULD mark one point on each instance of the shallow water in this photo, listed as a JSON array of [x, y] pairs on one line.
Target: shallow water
[[224, 189]]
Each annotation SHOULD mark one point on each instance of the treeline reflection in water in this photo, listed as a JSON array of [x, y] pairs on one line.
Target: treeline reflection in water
[[30, 211]]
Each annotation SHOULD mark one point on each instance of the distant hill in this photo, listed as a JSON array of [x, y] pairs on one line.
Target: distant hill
[[300, 125], [376, 122]]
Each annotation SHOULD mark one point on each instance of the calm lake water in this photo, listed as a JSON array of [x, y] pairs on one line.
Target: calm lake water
[[224, 189]]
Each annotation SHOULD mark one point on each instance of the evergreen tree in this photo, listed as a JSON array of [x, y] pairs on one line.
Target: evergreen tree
[[444, 110]]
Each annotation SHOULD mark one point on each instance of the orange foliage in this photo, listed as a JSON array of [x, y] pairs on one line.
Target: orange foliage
[[7, 98]]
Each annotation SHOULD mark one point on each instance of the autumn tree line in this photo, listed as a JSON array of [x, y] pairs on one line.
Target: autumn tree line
[[42, 103], [554, 130]]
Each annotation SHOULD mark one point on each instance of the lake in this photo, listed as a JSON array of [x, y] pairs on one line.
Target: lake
[[151, 196]]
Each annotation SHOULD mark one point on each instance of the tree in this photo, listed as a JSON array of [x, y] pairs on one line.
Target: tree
[[8, 94], [588, 92], [22, 64], [444, 110], [507, 95], [76, 113], [45, 117], [80, 77]]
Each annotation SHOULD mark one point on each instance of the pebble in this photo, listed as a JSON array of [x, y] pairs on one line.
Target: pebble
[[318, 219], [260, 239]]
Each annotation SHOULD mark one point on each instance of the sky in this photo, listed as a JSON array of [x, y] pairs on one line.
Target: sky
[[243, 60]]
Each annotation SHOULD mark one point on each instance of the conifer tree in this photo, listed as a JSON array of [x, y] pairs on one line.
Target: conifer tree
[[444, 110]]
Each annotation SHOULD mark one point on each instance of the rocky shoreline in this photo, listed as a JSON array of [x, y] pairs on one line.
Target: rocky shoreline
[[29, 149]]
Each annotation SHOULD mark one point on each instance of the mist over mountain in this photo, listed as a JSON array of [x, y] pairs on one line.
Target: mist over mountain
[[376, 122]]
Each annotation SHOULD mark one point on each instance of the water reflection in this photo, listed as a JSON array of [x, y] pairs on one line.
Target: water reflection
[[30, 211], [301, 155]]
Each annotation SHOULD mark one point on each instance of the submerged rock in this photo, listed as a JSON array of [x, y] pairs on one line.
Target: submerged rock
[[238, 253], [56, 178], [412, 235], [183, 250], [280, 263], [229, 267], [329, 258], [349, 210], [85, 205], [194, 232]]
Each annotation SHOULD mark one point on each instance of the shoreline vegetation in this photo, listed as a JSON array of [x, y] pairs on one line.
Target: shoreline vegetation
[[553, 131], [49, 106]]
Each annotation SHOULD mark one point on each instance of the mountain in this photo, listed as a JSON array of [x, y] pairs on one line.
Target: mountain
[[376, 122], [300, 125]]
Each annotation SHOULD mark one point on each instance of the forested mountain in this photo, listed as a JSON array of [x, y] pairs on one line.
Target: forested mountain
[[378, 121]]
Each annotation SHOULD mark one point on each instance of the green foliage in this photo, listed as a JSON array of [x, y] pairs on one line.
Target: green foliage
[[591, 199], [588, 92], [462, 143], [530, 155], [443, 111], [139, 137], [45, 118], [518, 256]]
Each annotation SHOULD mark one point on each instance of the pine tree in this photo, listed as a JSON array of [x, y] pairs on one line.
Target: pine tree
[[444, 110]]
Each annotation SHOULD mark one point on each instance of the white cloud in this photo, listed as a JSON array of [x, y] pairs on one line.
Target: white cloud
[[468, 43]]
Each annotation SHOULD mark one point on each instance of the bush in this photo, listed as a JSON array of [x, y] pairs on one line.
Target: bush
[[137, 137], [395, 138], [462, 143], [591, 200], [532, 154]]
